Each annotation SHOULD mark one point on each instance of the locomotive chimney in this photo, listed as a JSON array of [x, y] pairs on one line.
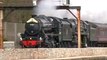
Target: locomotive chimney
[[68, 2], [35, 5], [34, 8]]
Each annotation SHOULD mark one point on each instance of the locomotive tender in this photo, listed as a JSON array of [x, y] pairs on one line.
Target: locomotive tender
[[52, 32]]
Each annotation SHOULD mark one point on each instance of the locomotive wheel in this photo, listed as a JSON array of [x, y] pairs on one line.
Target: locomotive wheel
[[93, 43], [48, 44], [84, 42], [66, 44]]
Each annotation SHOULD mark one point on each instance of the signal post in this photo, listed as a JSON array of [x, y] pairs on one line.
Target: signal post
[[79, 28]]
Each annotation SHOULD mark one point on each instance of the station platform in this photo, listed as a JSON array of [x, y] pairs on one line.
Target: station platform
[[76, 58], [52, 53]]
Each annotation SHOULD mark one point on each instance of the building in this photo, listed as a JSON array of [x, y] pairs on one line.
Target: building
[[17, 10], [13, 12]]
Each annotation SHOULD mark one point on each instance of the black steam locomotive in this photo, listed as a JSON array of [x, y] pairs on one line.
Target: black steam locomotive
[[52, 32]]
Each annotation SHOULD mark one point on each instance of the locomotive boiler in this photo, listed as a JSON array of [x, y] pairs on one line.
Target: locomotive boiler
[[52, 32]]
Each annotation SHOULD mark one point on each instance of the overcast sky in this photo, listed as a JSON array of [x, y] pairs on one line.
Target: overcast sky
[[91, 10]]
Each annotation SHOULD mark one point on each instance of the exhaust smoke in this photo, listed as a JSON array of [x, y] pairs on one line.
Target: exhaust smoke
[[48, 8], [91, 10]]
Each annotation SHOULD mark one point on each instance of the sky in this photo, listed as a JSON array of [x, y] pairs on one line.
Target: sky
[[91, 10]]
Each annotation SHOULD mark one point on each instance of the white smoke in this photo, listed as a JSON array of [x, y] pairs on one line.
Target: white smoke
[[45, 7], [91, 10], [48, 8]]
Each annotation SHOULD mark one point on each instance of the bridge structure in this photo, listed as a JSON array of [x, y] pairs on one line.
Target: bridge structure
[[15, 7], [1, 27]]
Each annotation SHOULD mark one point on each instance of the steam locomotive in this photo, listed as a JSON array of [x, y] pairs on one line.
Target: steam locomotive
[[53, 32]]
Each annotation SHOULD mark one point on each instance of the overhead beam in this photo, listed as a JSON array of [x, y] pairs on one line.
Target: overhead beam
[[17, 7], [68, 7]]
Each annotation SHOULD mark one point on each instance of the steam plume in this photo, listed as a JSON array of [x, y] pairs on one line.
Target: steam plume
[[48, 7], [91, 10]]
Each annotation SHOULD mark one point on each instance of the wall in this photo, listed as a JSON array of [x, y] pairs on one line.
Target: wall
[[44, 53], [11, 30]]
